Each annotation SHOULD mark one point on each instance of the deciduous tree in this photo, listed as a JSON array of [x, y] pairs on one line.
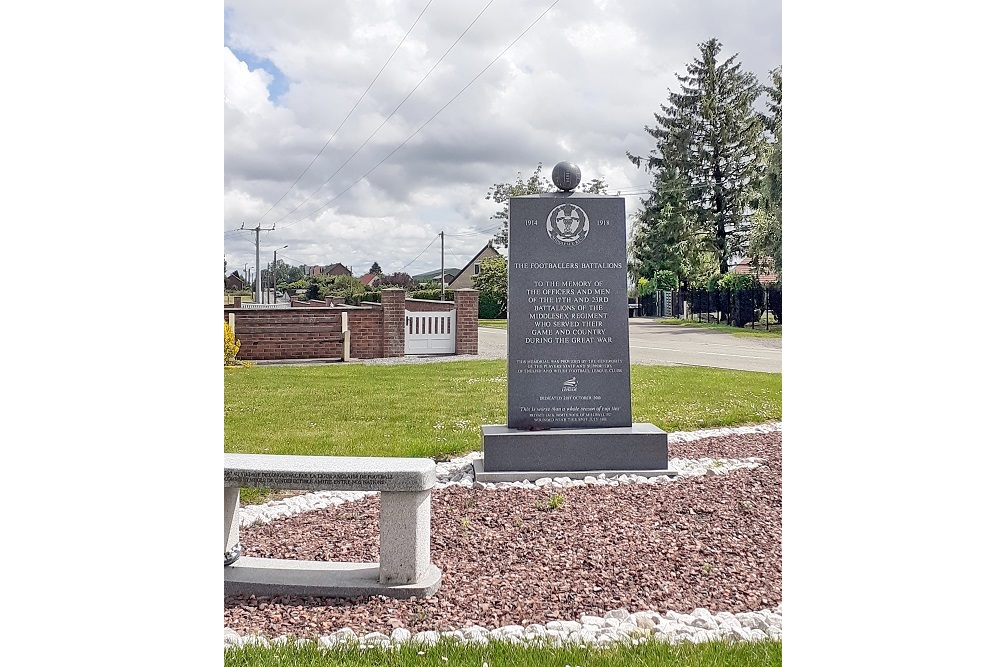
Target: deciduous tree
[[536, 184], [492, 282]]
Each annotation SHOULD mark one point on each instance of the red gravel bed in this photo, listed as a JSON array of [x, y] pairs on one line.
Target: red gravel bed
[[507, 558]]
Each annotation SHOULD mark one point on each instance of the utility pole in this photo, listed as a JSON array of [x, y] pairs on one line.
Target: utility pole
[[442, 265], [259, 296], [274, 273]]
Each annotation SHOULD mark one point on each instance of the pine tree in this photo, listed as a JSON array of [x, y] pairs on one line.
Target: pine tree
[[376, 269], [710, 145], [765, 238]]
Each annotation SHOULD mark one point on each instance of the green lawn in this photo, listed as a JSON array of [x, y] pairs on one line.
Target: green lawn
[[496, 324], [435, 410], [758, 332], [501, 654]]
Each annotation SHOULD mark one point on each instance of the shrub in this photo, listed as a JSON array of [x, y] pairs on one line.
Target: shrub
[[645, 287], [489, 309], [665, 280], [232, 346]]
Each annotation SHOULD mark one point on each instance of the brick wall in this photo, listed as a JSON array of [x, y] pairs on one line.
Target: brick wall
[[393, 322], [429, 306], [309, 331], [365, 325], [300, 333], [467, 321]]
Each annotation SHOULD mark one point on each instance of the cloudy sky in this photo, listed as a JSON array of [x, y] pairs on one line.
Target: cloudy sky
[[360, 130]]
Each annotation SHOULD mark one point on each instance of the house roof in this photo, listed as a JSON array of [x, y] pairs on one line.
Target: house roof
[[369, 278], [488, 246], [337, 269], [764, 273]]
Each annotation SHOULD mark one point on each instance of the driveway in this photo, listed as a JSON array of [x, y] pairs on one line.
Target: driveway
[[664, 345]]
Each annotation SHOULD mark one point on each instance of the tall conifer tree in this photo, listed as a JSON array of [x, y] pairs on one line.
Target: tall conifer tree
[[709, 141]]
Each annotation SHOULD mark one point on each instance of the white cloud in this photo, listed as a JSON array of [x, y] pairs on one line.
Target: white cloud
[[580, 85]]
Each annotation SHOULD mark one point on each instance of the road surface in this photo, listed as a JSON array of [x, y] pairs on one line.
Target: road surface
[[664, 345]]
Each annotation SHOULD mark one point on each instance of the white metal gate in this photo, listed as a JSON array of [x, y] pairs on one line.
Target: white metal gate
[[429, 333]]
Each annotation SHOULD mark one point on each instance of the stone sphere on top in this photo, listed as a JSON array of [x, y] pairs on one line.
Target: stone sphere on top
[[566, 176]]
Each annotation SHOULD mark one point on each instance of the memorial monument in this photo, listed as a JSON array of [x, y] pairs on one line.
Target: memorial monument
[[569, 394]]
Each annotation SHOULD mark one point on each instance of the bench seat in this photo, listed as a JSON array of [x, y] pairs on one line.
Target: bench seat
[[404, 568]]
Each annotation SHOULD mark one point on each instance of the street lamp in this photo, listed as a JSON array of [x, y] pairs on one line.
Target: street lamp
[[274, 273]]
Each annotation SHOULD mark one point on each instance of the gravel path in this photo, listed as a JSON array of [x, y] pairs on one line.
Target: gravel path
[[711, 543]]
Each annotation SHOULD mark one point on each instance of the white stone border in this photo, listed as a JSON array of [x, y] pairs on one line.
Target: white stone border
[[616, 626]]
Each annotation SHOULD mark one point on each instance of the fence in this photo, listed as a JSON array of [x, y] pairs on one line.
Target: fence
[[733, 308], [266, 306]]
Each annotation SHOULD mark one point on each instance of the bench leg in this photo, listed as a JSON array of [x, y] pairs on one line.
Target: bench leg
[[232, 525], [404, 526]]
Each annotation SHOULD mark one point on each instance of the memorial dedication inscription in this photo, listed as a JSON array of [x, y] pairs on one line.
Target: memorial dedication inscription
[[567, 322]]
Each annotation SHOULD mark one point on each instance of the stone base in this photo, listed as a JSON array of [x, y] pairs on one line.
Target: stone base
[[271, 576], [532, 475], [640, 449]]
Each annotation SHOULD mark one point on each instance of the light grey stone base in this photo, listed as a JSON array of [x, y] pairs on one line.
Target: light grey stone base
[[271, 576], [640, 449], [532, 475]]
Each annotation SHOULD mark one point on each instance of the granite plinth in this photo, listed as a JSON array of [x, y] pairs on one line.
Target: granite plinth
[[534, 475], [270, 576], [638, 449]]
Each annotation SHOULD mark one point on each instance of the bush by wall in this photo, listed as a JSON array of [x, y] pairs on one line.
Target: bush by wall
[[232, 346], [489, 309]]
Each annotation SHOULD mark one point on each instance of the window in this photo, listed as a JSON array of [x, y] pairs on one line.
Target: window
[[475, 269]]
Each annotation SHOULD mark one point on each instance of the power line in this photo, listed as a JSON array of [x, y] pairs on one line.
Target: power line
[[421, 252], [349, 113], [365, 143], [429, 119]]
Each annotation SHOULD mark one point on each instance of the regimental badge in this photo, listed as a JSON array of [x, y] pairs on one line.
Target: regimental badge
[[568, 225]]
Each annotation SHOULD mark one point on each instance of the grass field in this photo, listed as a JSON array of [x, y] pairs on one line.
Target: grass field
[[435, 410], [497, 654], [773, 331]]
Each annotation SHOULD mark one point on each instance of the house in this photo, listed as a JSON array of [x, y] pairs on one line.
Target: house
[[235, 282], [465, 276], [371, 280], [765, 274], [337, 269]]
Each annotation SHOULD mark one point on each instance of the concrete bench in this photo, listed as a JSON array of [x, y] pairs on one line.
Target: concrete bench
[[403, 569]]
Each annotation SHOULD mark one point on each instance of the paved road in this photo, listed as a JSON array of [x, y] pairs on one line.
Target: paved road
[[663, 345]]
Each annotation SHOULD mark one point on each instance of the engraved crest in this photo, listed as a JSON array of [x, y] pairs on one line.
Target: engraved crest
[[568, 224]]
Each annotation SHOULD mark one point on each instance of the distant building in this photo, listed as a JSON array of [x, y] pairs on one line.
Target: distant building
[[337, 269], [371, 280], [465, 276], [765, 273], [235, 282]]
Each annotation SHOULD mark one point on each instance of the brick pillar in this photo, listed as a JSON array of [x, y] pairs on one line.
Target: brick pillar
[[467, 321], [237, 302], [393, 322]]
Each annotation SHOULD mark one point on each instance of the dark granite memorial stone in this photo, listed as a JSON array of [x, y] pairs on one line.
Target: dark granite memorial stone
[[567, 323]]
